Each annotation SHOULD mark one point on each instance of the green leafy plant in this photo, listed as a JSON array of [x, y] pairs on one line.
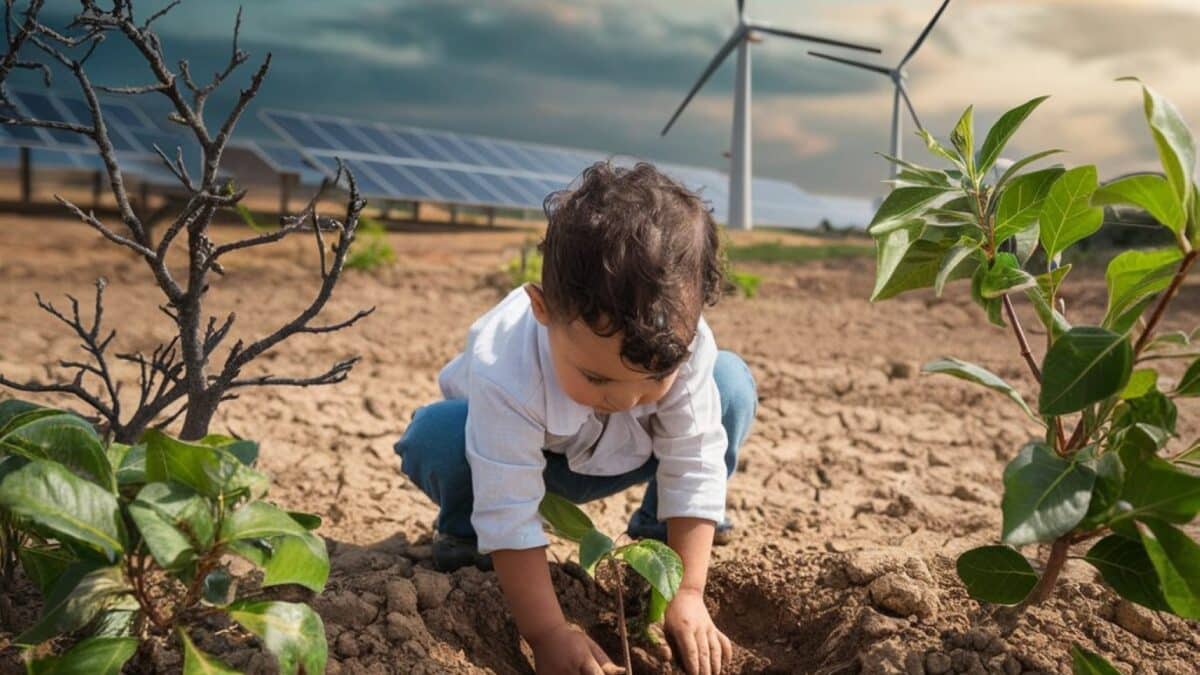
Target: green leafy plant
[[526, 267], [653, 560], [1113, 481], [746, 283], [126, 542], [371, 250]]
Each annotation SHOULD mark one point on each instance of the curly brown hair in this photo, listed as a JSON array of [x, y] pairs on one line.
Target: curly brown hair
[[631, 251]]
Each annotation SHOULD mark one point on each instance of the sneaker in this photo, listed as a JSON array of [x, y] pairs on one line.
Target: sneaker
[[451, 553], [657, 530]]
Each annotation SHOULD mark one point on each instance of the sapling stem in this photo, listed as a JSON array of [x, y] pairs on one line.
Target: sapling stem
[[621, 628], [1176, 282], [1054, 564]]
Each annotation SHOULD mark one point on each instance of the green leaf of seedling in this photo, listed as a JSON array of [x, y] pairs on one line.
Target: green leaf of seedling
[[176, 523], [1045, 496], [300, 559], [1124, 565], [656, 609], [1085, 365], [246, 451], [963, 140], [1176, 147], [1021, 202], [1110, 477], [1152, 408], [1134, 276], [132, 470], [1011, 172], [1067, 215], [1005, 276], [79, 594], [13, 408], [213, 472], [1001, 132], [196, 662], [292, 632], [1084, 662], [1150, 192], [1141, 382], [965, 249], [996, 574], [1137, 442], [903, 205], [565, 519], [1156, 488], [1189, 385], [309, 521], [594, 546], [1056, 324], [940, 150], [657, 563], [1176, 558], [93, 656], [911, 257], [979, 375], [47, 494], [64, 438], [258, 520], [993, 306], [44, 565]]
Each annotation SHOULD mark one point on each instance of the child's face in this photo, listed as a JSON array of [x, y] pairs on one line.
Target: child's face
[[590, 369]]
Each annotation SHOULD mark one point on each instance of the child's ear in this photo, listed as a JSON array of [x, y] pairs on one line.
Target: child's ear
[[538, 301]]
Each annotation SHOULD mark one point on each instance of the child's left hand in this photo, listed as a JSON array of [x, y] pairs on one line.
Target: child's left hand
[[702, 648]]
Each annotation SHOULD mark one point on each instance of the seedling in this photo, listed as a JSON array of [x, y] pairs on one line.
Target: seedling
[[656, 562], [130, 542], [1103, 472]]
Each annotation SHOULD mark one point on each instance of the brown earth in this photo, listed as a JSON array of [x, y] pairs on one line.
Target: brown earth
[[860, 484]]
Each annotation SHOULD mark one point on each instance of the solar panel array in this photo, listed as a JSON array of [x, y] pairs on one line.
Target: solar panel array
[[408, 163]]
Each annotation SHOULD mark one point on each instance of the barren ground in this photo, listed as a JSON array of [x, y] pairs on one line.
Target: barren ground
[[861, 481]]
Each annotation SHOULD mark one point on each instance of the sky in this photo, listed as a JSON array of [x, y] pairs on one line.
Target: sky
[[607, 74]]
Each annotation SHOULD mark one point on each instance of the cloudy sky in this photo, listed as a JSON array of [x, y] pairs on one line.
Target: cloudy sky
[[606, 74]]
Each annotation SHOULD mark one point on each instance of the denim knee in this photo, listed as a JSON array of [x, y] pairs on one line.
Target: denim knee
[[433, 448]]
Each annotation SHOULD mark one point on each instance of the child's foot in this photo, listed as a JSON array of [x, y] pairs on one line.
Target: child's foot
[[451, 553]]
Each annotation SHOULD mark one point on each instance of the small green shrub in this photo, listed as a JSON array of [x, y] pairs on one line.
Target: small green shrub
[[125, 542], [653, 560], [525, 268], [1113, 481], [371, 249], [744, 282]]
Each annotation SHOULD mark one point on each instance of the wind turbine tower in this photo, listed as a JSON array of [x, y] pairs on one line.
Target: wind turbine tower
[[740, 175], [898, 75]]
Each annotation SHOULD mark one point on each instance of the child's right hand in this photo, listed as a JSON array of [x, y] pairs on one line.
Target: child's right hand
[[566, 650]]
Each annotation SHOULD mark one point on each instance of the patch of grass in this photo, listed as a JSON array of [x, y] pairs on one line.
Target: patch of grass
[[778, 252], [371, 249], [525, 268], [746, 283]]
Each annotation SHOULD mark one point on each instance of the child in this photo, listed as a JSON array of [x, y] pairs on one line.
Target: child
[[601, 377]]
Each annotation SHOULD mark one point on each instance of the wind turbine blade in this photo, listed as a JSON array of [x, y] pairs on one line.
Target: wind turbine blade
[[924, 34], [911, 110], [723, 52], [852, 62], [767, 28]]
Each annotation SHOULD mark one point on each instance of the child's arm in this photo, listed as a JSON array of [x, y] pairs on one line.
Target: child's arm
[[557, 646], [702, 647]]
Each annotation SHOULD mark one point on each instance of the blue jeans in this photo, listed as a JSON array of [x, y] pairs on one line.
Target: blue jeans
[[433, 455]]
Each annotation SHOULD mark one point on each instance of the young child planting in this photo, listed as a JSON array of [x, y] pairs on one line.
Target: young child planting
[[602, 377]]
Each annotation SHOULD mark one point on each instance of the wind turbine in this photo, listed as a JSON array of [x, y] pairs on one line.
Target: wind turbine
[[740, 177], [898, 75]]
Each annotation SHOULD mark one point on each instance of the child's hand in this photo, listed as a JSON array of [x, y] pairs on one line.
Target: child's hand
[[567, 650], [702, 649]]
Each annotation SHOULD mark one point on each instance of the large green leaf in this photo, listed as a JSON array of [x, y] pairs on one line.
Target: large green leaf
[[176, 523], [1016, 166], [1189, 384], [93, 656], [903, 205], [12, 408], [1085, 365], [1045, 496], [1141, 382], [979, 375], [964, 250], [1156, 488], [66, 439], [292, 632], [1176, 147], [1153, 408], [1001, 131], [297, 559], [996, 574], [1110, 478], [79, 594], [132, 470], [259, 520], [1084, 662], [1135, 275], [196, 662], [1137, 442], [963, 140], [565, 519], [1176, 558], [45, 564], [199, 663], [246, 451], [1150, 192], [1067, 214], [47, 494], [993, 306], [1005, 276], [592, 549], [1126, 567], [213, 472], [1021, 202], [911, 257], [657, 563]]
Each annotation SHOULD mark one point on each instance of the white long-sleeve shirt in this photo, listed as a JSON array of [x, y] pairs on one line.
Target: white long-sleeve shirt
[[516, 409]]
